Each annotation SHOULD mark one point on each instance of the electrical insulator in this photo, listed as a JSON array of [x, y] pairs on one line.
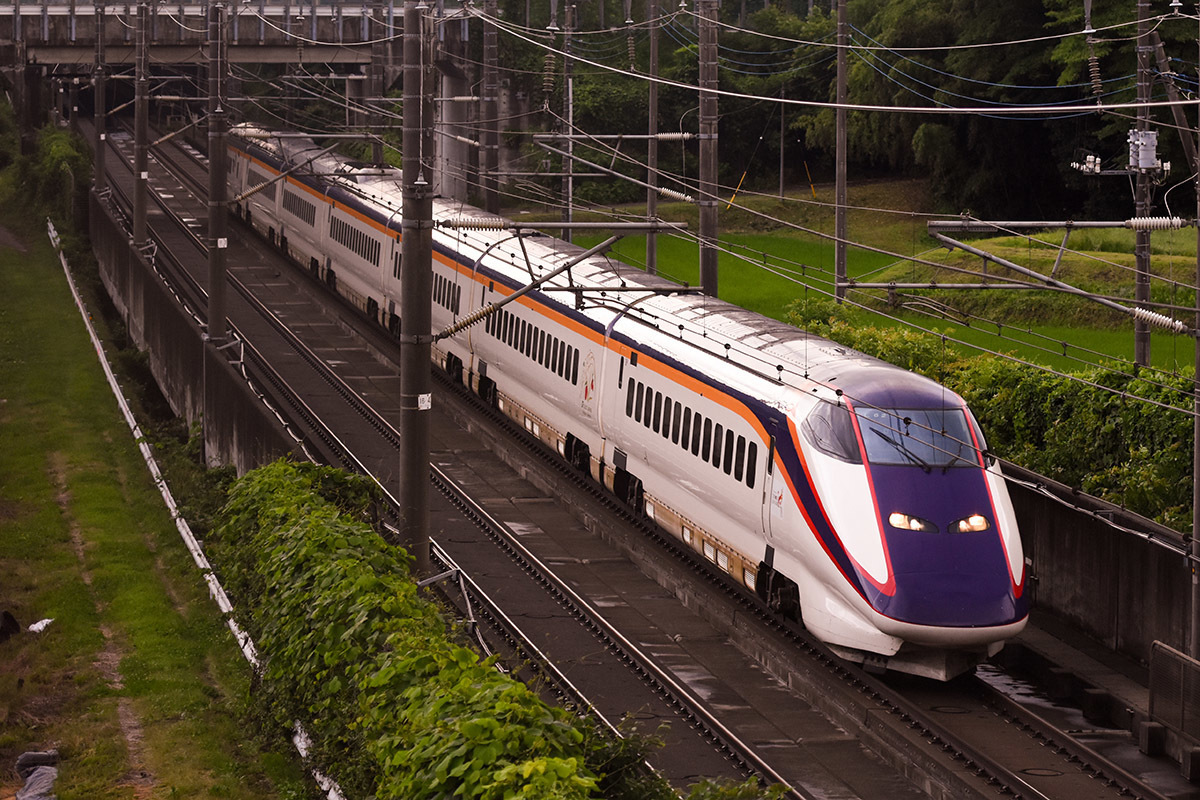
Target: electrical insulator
[[671, 194], [469, 224], [1154, 223], [1161, 320]]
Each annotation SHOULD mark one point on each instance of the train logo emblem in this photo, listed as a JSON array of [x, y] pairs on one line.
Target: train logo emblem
[[588, 381]]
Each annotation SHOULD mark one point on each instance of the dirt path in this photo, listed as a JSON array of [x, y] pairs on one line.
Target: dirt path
[[7, 239], [108, 661]]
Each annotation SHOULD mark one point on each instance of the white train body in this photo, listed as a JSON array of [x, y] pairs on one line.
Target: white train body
[[834, 485]]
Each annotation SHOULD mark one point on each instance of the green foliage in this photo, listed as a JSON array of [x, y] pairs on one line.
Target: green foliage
[[748, 790], [387, 695], [1087, 430], [57, 174], [10, 138]]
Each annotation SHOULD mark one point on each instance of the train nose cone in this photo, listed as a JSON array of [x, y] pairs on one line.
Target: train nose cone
[[943, 577]]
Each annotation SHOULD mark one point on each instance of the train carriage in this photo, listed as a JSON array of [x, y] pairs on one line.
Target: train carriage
[[844, 491]]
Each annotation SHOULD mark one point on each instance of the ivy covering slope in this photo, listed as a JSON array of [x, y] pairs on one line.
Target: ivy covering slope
[[394, 705], [400, 708], [1088, 430]]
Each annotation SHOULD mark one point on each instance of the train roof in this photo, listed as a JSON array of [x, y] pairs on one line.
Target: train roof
[[673, 323]]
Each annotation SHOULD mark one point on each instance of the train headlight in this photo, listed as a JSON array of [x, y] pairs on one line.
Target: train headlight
[[907, 522], [972, 524]]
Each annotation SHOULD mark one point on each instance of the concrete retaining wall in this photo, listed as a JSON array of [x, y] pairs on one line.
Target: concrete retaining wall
[[1121, 588], [199, 382]]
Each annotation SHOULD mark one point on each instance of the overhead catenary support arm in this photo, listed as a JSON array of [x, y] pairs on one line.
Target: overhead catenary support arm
[[471, 319], [254, 189], [1143, 315]]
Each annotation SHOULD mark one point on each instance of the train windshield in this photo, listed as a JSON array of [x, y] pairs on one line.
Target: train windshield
[[925, 438], [830, 429]]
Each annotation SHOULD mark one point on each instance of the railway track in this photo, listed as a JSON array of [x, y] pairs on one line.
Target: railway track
[[690, 713], [909, 722]]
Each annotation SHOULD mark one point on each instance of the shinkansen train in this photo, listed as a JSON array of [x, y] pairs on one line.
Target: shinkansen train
[[844, 491]]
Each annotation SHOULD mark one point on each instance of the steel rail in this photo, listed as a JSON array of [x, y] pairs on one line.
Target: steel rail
[[893, 702]]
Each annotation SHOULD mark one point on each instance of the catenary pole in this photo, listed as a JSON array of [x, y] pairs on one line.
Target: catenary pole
[[490, 106], [839, 225], [416, 276], [141, 137], [707, 13], [217, 188], [652, 142], [1141, 250], [1194, 545], [100, 78]]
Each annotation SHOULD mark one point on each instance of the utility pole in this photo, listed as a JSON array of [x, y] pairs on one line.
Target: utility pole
[[839, 223], [782, 134], [652, 144], [416, 398], [491, 121], [100, 82], [707, 12], [375, 120], [141, 133], [568, 181], [1194, 545], [1141, 251], [217, 190]]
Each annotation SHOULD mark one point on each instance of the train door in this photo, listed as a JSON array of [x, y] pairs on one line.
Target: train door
[[774, 488]]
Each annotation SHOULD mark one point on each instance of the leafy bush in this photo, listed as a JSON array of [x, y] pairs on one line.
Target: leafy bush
[[388, 697], [1087, 429], [57, 174]]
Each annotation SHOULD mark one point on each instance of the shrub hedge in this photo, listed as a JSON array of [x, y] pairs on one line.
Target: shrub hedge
[[390, 698], [1086, 429], [395, 706]]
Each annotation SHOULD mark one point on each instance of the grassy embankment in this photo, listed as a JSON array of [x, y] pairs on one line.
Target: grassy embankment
[[1102, 264], [137, 682]]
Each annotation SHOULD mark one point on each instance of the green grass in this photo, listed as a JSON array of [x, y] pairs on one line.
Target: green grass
[[762, 273], [68, 462]]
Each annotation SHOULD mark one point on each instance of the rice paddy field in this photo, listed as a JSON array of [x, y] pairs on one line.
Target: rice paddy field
[[765, 265]]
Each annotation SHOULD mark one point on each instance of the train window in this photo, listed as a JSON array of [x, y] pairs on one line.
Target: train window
[[706, 448], [457, 298], [830, 429], [629, 401], [640, 391], [666, 425], [523, 335], [675, 424], [554, 355], [574, 366], [739, 459], [728, 452], [751, 464], [718, 444], [396, 266], [686, 435], [651, 395], [658, 404], [541, 357], [562, 361], [696, 435]]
